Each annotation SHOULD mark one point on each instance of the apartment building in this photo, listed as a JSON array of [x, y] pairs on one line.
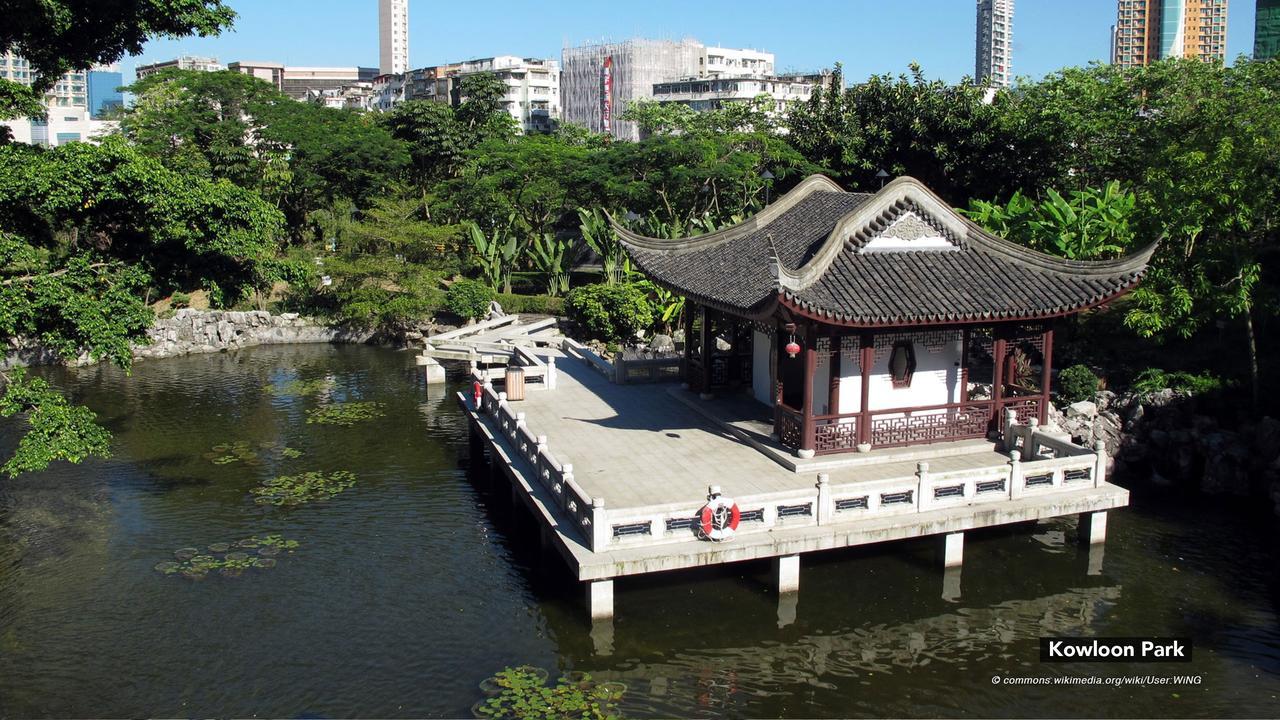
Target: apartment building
[[68, 116], [994, 62], [393, 37], [185, 62], [1151, 30]]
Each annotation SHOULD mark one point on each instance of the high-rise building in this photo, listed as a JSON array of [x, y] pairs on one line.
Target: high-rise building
[[104, 93], [995, 42], [1266, 30], [1150, 30], [67, 105], [393, 36], [185, 62]]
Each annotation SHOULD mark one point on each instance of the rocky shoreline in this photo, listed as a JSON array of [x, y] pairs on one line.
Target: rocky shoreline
[[1171, 439], [189, 332]]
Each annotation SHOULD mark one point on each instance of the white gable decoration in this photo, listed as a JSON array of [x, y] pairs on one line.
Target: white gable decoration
[[906, 233]]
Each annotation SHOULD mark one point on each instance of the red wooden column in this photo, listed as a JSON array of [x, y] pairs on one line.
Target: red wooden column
[[1046, 376], [689, 309], [866, 358], [706, 341], [998, 350], [833, 376], [810, 364]]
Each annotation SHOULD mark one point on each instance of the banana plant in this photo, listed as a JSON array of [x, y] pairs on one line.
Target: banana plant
[[496, 253], [554, 258], [670, 305], [601, 239]]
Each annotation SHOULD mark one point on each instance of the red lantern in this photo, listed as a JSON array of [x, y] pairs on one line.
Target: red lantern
[[792, 348], [478, 391]]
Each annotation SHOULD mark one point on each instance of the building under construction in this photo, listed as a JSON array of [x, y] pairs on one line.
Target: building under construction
[[598, 81]]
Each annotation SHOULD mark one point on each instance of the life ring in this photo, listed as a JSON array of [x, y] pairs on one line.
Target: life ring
[[718, 519]]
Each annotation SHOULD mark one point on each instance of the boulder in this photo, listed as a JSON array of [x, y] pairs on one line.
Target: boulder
[[1082, 410], [662, 343]]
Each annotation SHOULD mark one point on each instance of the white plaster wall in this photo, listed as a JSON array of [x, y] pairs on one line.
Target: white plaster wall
[[761, 351], [936, 380], [850, 379]]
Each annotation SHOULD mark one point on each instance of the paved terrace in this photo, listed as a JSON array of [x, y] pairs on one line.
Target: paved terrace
[[641, 456], [640, 445]]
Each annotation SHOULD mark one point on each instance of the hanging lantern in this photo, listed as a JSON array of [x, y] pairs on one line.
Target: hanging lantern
[[793, 347]]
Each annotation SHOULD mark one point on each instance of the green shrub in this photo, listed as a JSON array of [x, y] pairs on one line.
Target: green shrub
[[536, 304], [1155, 379], [179, 300], [469, 298], [610, 312], [1077, 383]]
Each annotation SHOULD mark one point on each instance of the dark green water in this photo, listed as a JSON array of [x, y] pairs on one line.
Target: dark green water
[[413, 586]]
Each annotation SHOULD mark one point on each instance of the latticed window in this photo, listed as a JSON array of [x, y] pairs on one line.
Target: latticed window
[[902, 363]]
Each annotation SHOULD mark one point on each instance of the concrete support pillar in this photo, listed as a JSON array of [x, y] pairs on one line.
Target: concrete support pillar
[[433, 370], [602, 636], [788, 603], [953, 550], [787, 570], [600, 599], [544, 538], [1093, 527], [951, 584], [1095, 559]]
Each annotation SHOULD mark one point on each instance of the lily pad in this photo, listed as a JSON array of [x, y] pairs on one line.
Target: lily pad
[[268, 551], [345, 414], [291, 453], [302, 488], [185, 554], [264, 563], [237, 557], [219, 547], [168, 567]]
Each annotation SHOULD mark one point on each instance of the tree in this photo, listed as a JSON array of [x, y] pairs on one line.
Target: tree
[[1209, 153], [1088, 224], [56, 36], [946, 136]]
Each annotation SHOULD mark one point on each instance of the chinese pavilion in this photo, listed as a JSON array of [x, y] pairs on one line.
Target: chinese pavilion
[[874, 320]]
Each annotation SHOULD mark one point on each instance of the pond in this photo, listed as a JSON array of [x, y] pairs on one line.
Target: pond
[[410, 583]]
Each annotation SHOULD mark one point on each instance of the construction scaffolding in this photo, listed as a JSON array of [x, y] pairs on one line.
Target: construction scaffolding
[[635, 66]]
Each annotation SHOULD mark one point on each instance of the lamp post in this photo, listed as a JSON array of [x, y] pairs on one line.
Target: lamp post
[[767, 177], [882, 176]]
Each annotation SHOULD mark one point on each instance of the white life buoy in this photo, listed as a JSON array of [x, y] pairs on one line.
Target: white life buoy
[[718, 519]]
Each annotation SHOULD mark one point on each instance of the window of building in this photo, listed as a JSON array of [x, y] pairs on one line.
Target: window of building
[[902, 363]]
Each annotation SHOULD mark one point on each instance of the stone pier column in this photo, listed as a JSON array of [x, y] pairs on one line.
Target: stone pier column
[[787, 570], [951, 584], [600, 598], [953, 550], [1093, 527]]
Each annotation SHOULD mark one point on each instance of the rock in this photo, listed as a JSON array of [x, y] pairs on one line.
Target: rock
[[662, 343], [723, 345], [1105, 399], [1082, 410]]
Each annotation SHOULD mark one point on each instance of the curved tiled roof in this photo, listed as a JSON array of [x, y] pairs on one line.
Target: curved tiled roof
[[898, 257]]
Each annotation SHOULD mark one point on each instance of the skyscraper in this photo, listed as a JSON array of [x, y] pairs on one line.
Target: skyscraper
[[1150, 30], [1266, 30], [995, 42], [393, 36]]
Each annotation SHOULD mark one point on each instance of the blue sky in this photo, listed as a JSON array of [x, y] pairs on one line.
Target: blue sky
[[868, 36]]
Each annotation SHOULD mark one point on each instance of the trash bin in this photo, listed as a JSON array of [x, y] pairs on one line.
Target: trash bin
[[515, 382]]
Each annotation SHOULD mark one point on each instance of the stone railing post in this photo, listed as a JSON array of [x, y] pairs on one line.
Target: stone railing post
[[599, 525], [1010, 424], [1015, 475], [1030, 448], [540, 463], [922, 476], [486, 392], [566, 474], [826, 507], [550, 379], [1099, 463]]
